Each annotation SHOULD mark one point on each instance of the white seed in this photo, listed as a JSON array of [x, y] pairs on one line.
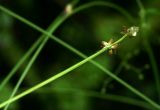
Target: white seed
[[133, 30], [69, 9]]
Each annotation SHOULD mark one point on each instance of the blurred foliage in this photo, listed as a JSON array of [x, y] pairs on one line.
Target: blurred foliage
[[84, 31]]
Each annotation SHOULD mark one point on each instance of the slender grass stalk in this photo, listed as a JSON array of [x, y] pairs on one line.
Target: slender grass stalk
[[49, 80], [148, 48]]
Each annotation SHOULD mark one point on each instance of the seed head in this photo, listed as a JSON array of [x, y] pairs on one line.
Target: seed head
[[69, 8], [132, 31], [112, 49]]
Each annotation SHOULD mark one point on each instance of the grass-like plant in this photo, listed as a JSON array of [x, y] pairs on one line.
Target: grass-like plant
[[110, 46]]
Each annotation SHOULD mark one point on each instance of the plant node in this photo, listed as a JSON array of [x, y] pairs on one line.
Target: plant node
[[112, 48], [69, 9], [132, 31]]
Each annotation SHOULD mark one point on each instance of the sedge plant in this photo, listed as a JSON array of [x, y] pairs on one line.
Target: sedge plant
[[107, 46]]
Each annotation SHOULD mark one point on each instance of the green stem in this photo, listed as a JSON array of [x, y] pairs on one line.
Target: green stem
[[148, 48], [59, 74], [154, 67]]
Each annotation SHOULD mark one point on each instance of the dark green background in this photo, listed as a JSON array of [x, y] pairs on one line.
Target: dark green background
[[84, 31]]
